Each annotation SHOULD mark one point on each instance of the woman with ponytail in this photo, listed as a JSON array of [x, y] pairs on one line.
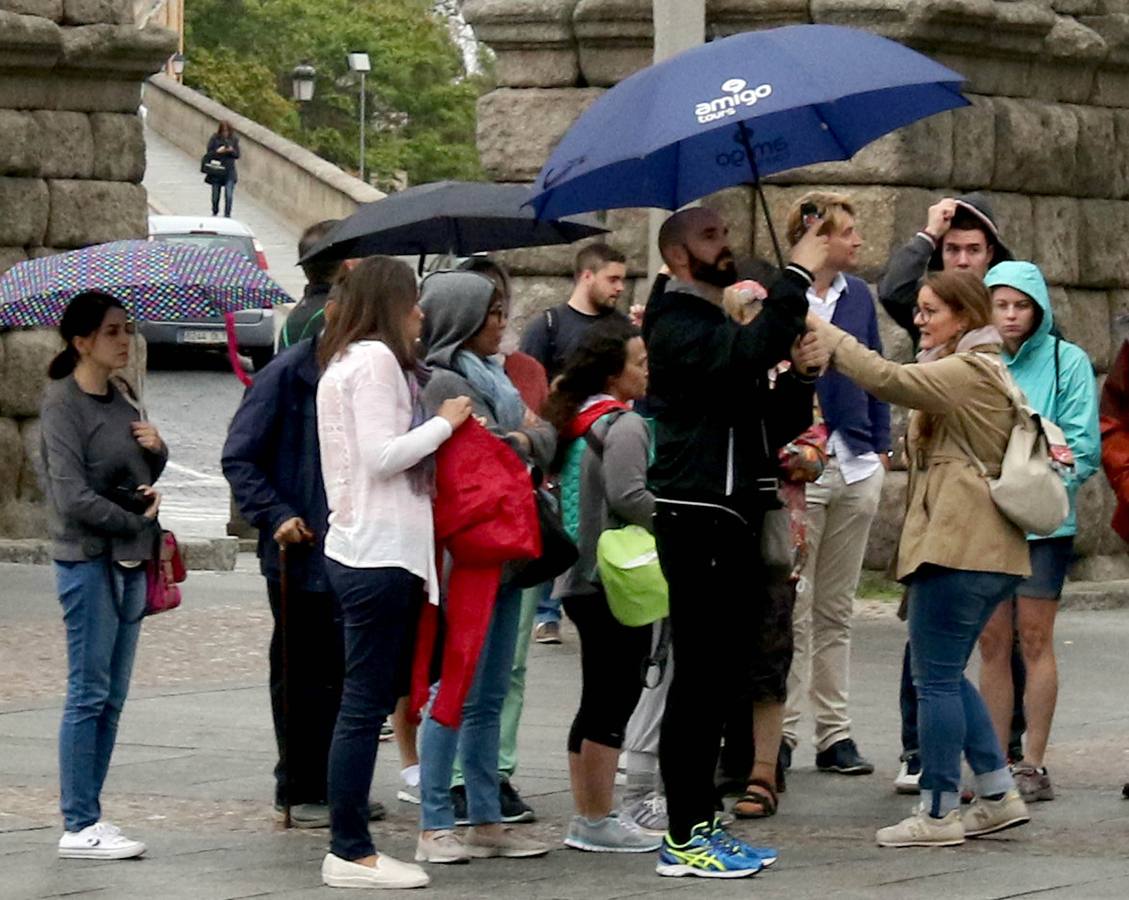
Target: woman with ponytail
[[605, 451], [100, 459]]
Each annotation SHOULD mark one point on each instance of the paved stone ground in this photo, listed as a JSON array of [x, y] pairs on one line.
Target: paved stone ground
[[191, 775]]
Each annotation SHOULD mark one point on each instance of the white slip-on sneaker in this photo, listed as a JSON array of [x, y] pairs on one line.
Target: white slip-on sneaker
[[387, 873], [922, 830], [441, 847], [985, 816], [98, 841]]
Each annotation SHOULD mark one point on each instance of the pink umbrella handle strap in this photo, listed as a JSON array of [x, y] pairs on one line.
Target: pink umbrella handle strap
[[233, 350]]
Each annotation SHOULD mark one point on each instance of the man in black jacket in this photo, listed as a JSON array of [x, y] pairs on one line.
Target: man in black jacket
[[272, 462], [719, 420]]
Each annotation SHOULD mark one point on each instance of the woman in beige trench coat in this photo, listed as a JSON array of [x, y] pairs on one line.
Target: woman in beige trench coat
[[958, 555]]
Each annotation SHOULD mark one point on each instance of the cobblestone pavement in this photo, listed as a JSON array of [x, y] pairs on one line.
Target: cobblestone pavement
[[191, 775]]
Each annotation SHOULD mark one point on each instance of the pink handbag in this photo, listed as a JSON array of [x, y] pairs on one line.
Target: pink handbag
[[162, 575]]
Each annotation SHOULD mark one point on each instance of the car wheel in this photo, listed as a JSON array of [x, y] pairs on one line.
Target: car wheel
[[260, 356]]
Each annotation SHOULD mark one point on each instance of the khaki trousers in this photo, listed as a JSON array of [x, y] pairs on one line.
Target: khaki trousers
[[839, 516]]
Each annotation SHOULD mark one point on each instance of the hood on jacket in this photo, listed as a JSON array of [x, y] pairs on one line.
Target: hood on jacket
[[977, 204], [1026, 278], [454, 306]]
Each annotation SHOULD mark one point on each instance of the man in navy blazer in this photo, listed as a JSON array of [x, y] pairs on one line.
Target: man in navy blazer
[[840, 506]]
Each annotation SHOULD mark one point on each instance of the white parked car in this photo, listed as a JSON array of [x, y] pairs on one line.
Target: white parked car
[[254, 328]]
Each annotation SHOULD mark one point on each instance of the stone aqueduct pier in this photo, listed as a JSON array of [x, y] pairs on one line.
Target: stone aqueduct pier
[[1047, 138], [72, 154]]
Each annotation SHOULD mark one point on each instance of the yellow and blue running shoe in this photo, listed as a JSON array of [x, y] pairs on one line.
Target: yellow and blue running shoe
[[767, 855], [706, 855]]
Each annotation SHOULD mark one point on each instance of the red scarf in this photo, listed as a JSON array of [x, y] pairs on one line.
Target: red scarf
[[581, 422]]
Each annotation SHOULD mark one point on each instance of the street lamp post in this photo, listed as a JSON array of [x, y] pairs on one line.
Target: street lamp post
[[302, 82], [177, 64], [359, 63]]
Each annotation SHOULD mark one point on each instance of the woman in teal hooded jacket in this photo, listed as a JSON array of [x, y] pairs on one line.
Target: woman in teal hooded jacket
[[1058, 379]]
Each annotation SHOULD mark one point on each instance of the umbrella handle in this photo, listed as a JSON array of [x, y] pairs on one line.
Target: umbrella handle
[[747, 143], [233, 350]]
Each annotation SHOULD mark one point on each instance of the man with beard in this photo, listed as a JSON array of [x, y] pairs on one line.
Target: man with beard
[[719, 418]]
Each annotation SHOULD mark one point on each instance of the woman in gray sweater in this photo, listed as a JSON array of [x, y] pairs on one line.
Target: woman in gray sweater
[[100, 459], [605, 452]]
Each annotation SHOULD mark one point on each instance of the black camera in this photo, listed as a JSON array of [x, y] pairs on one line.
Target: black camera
[[133, 500], [810, 215]]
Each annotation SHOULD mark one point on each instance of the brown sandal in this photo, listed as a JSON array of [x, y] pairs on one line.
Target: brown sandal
[[758, 802]]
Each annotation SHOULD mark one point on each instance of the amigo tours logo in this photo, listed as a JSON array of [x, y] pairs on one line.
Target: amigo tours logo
[[737, 93]]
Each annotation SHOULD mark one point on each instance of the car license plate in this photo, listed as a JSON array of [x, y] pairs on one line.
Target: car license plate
[[203, 337]]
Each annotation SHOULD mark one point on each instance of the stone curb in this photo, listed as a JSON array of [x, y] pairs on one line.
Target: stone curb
[[1095, 595], [200, 554]]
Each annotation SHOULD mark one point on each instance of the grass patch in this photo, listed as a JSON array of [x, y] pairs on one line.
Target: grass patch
[[876, 586]]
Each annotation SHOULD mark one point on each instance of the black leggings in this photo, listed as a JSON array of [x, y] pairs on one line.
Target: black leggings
[[611, 665]]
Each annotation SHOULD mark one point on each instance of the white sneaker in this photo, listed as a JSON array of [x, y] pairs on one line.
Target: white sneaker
[[441, 847], [98, 841], [387, 873], [989, 816], [409, 793], [922, 830], [909, 777]]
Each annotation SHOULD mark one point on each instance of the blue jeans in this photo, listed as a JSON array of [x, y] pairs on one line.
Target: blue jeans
[[548, 609], [100, 652], [476, 741], [228, 189], [380, 608], [948, 609]]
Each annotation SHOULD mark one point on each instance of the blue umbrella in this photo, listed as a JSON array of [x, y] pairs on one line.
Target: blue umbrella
[[737, 109], [152, 279]]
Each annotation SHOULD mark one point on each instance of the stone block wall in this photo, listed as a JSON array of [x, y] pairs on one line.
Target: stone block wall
[[1047, 137], [71, 159]]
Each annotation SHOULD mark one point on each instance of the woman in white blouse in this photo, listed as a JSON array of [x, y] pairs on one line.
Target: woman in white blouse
[[377, 449]]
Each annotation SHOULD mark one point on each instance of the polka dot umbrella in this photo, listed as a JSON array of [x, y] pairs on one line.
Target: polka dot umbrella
[[154, 280]]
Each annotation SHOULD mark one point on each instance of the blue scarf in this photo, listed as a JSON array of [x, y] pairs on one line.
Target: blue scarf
[[493, 385], [421, 476]]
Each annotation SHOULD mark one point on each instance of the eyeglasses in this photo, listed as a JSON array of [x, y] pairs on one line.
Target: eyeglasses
[[924, 314]]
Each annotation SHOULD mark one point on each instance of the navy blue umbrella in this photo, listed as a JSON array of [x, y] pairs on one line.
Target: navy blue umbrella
[[736, 109]]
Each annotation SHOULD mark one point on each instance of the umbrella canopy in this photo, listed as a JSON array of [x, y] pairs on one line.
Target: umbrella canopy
[[738, 108], [448, 217], [154, 280]]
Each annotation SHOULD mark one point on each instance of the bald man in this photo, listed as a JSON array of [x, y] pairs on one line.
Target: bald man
[[719, 420]]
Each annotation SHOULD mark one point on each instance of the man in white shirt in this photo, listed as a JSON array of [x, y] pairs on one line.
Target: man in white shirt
[[841, 505]]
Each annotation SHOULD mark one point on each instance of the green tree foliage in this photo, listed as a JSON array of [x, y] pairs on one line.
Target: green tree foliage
[[420, 105]]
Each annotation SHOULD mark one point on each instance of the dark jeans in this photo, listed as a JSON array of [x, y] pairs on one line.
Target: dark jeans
[[611, 671], [768, 657], [948, 609], [380, 608], [315, 667], [710, 560], [228, 188]]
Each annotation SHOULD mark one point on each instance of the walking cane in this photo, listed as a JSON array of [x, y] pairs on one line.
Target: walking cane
[[283, 592]]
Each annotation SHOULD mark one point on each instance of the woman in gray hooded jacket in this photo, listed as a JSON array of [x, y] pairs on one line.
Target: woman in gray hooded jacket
[[464, 320]]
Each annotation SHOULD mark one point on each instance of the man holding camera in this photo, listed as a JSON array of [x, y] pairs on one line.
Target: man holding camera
[[842, 504], [714, 476]]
